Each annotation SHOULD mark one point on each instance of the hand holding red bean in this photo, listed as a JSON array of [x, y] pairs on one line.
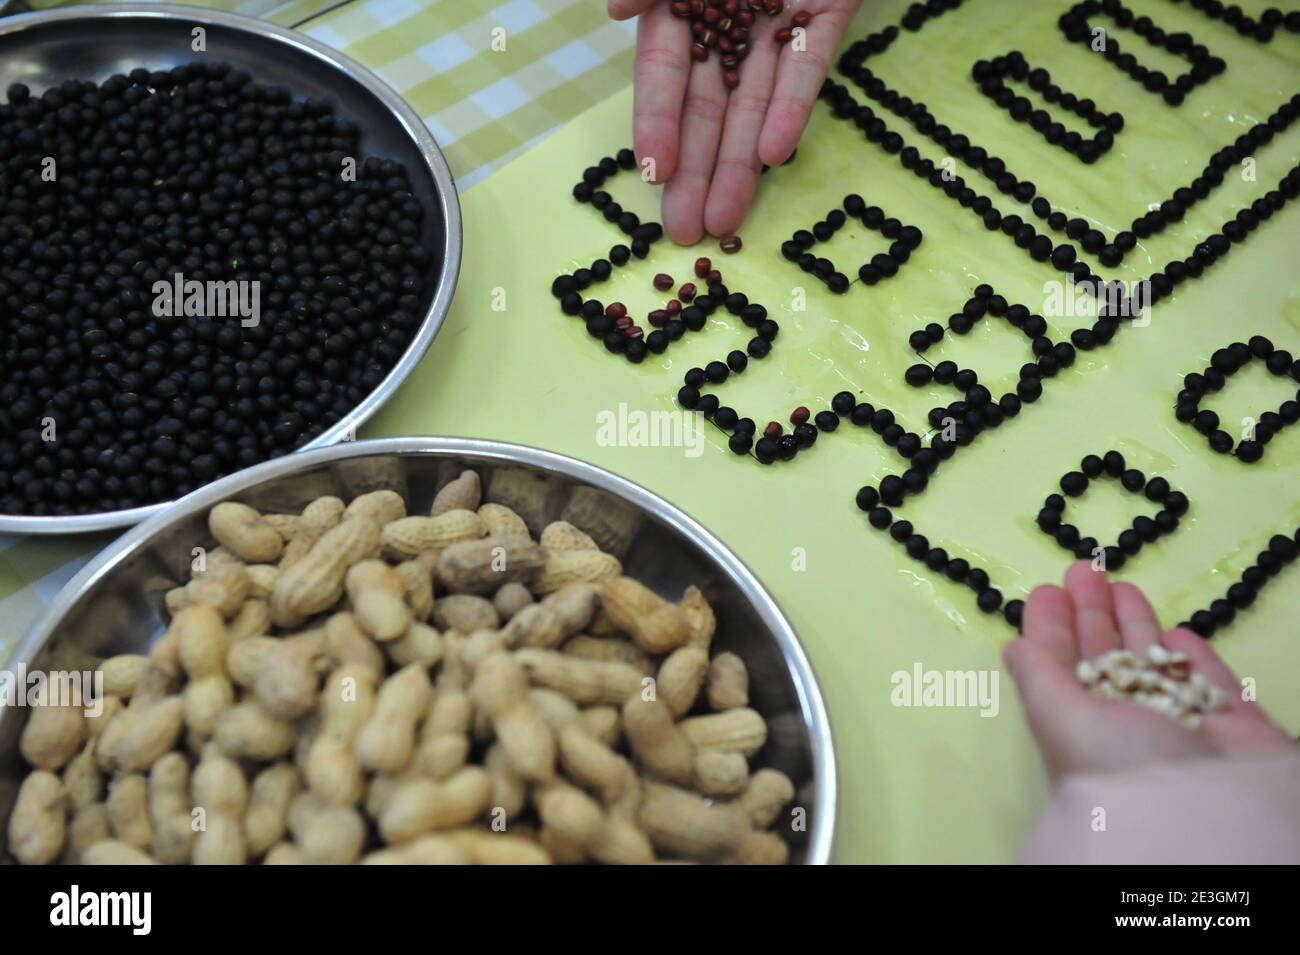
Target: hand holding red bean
[[721, 94]]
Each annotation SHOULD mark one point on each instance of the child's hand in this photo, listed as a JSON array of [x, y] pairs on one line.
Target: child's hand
[[708, 144], [1078, 732]]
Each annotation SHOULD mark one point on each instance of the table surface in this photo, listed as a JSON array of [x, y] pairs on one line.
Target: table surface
[[917, 783]]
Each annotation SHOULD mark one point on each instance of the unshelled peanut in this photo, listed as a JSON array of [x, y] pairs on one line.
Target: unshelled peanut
[[333, 770], [315, 583], [743, 730], [52, 736], [501, 520], [481, 566], [657, 741], [654, 624], [267, 818], [39, 821], [170, 810], [728, 685], [462, 494], [424, 805], [683, 824], [583, 681], [387, 740], [242, 530], [500, 692]]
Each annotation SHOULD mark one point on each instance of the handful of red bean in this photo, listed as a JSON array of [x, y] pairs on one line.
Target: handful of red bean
[[724, 25]]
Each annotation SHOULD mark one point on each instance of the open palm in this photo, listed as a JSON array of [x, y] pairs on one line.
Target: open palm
[[708, 144], [1079, 732]]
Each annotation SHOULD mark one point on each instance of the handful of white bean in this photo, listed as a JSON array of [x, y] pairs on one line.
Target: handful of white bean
[[1164, 682]]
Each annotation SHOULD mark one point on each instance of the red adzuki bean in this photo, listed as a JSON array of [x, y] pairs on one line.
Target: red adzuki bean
[[725, 25]]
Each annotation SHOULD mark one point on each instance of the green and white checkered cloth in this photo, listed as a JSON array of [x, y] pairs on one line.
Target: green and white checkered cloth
[[491, 78]]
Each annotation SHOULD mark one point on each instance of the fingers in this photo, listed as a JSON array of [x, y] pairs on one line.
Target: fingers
[[736, 174], [685, 194], [1137, 622], [626, 9], [1052, 698], [799, 77], [1049, 623], [662, 70], [1094, 612], [1042, 664]]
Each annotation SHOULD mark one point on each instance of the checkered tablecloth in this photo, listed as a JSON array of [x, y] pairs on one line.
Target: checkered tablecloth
[[484, 102]]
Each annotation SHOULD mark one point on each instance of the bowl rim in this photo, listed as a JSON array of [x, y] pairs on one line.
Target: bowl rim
[[807, 688], [448, 201]]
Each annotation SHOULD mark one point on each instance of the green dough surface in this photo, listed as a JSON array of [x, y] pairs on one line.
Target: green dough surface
[[922, 784]]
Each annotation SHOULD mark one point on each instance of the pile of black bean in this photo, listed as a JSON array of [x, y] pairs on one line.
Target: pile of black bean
[[106, 190]]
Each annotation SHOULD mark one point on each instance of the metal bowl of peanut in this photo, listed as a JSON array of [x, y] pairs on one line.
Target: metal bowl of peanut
[[415, 651]]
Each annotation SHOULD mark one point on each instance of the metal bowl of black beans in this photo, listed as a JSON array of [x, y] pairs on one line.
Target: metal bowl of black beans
[[220, 242], [116, 603]]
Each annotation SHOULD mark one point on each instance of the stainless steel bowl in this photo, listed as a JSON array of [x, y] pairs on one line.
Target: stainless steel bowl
[[115, 604], [94, 42]]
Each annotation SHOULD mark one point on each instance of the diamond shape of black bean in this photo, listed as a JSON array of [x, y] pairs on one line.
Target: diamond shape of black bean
[[1225, 363], [905, 239], [1051, 519]]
